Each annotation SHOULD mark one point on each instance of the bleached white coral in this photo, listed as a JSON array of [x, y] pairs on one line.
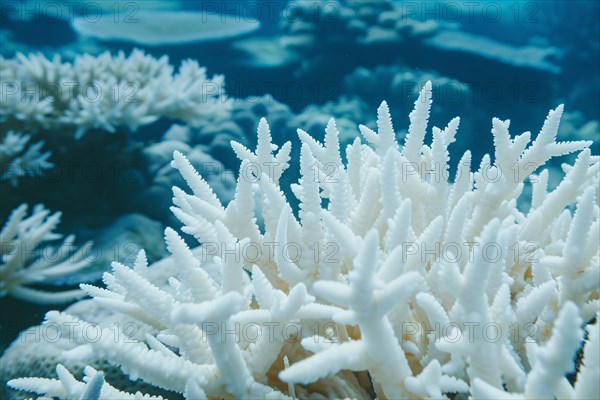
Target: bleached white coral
[[93, 388], [105, 92], [25, 262], [18, 159], [398, 285]]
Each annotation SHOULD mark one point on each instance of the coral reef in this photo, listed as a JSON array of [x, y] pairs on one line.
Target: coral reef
[[396, 84], [105, 92], [240, 126], [348, 112], [29, 355], [19, 159], [162, 177], [60, 101], [25, 262], [390, 280], [208, 148], [338, 22], [119, 239], [323, 31]]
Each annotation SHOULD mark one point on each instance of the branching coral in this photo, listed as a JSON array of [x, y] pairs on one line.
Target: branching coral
[[348, 112], [24, 262], [387, 281], [18, 159], [94, 387], [105, 92]]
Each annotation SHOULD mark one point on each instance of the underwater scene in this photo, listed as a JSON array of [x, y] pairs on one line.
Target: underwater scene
[[313, 199]]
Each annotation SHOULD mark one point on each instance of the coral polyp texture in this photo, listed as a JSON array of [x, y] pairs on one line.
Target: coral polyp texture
[[390, 280], [105, 92]]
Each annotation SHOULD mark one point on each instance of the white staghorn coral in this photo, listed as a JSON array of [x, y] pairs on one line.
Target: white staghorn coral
[[398, 285], [105, 92], [18, 159], [24, 262], [94, 387]]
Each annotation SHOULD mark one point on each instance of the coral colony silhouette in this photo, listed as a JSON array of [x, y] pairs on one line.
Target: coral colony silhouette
[[218, 255], [390, 279]]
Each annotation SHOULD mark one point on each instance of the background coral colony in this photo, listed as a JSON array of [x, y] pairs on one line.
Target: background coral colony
[[299, 199]]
